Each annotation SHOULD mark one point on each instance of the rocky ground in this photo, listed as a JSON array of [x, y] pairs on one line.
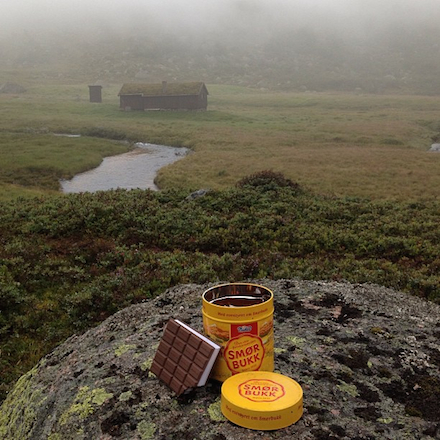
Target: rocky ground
[[367, 358]]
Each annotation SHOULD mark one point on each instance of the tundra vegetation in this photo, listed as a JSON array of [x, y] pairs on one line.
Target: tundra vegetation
[[310, 185]]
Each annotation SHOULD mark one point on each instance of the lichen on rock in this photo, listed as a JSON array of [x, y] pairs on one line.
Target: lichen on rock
[[122, 349], [214, 411], [19, 411], [146, 429], [367, 358], [85, 403]]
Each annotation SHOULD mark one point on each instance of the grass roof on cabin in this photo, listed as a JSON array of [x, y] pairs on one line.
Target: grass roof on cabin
[[172, 89]]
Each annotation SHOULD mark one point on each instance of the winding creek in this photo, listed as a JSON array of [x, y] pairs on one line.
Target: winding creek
[[135, 169]]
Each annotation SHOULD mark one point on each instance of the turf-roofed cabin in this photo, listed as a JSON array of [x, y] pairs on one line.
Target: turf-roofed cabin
[[164, 96]]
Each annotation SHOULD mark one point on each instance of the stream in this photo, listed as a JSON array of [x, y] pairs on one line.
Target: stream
[[135, 169]]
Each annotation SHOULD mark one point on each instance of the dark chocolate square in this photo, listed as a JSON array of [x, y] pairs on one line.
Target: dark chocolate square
[[179, 344], [206, 350], [200, 360], [183, 334], [170, 366], [174, 355], [166, 376], [177, 386], [156, 369], [160, 358], [180, 374], [164, 348], [195, 372], [190, 352], [172, 326], [190, 382], [194, 341], [185, 363], [168, 336]]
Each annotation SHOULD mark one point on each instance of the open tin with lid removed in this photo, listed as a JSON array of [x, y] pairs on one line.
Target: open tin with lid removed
[[239, 317]]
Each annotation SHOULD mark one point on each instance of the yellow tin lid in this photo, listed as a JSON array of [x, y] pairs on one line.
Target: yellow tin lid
[[262, 400]]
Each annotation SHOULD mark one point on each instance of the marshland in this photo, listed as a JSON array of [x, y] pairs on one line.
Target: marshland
[[314, 157]]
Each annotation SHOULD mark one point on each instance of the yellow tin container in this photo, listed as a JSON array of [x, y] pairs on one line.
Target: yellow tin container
[[262, 400], [239, 317]]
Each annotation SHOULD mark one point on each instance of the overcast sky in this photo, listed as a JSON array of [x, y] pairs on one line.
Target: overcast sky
[[347, 16]]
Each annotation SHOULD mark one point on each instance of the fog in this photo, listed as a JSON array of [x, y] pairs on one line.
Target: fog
[[253, 17], [260, 42]]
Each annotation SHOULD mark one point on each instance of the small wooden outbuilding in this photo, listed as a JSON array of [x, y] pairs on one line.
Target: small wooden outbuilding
[[95, 93], [164, 96]]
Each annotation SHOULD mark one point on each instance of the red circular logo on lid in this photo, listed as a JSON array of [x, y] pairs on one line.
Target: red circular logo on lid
[[261, 390]]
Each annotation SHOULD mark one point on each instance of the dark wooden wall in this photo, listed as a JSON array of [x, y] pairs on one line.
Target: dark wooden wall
[[189, 102], [131, 102], [184, 102]]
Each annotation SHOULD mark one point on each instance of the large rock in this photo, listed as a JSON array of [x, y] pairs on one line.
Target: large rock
[[367, 358]]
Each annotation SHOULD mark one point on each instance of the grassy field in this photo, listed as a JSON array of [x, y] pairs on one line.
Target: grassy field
[[346, 145], [353, 195]]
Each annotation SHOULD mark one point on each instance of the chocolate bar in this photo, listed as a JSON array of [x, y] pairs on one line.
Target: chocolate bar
[[184, 358]]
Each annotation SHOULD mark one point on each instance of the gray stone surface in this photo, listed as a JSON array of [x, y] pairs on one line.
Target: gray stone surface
[[367, 358]]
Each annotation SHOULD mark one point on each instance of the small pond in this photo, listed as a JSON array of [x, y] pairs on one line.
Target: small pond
[[135, 169]]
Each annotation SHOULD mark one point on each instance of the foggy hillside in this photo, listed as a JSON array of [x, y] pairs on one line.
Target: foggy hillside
[[391, 46]]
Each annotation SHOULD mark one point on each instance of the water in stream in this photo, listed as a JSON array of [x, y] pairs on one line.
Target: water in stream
[[135, 169]]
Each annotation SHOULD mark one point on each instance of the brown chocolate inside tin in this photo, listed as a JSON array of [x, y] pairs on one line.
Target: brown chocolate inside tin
[[237, 295]]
